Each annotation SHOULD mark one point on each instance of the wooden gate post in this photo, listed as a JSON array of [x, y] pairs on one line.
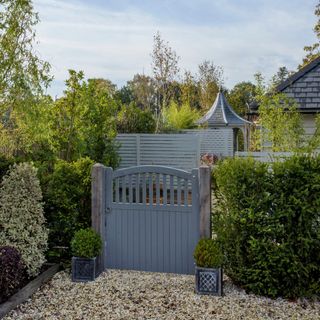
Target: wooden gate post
[[98, 203], [205, 201]]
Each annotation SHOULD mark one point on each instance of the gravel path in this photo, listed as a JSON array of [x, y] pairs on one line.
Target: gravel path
[[142, 295]]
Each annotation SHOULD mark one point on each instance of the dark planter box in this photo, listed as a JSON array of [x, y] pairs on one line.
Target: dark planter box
[[84, 269], [209, 281]]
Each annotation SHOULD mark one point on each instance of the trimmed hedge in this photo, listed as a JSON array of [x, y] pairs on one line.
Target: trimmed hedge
[[86, 243], [22, 222], [267, 220]]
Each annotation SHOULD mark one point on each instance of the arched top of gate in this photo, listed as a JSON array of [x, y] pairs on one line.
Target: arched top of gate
[[153, 169]]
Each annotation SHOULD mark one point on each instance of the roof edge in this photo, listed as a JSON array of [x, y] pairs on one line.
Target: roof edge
[[300, 73]]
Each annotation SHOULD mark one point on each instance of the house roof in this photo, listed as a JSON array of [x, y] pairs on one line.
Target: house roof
[[221, 114], [303, 86], [299, 74]]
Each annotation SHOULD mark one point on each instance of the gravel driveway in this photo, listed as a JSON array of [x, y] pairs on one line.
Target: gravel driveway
[[142, 295]]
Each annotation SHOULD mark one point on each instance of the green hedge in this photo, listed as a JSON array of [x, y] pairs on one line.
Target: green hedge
[[67, 197], [267, 220]]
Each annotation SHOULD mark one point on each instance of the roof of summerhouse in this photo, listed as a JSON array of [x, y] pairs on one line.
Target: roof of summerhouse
[[221, 114]]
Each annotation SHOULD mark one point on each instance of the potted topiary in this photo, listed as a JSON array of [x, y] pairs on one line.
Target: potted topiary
[[85, 246], [208, 258]]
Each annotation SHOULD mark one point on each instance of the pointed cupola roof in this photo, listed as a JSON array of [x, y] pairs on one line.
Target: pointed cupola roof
[[221, 114]]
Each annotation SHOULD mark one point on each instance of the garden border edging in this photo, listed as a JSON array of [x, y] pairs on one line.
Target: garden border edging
[[28, 290]]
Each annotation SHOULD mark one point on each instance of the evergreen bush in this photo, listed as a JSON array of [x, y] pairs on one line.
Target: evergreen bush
[[207, 254], [21, 216], [267, 220], [86, 243], [12, 272], [67, 196]]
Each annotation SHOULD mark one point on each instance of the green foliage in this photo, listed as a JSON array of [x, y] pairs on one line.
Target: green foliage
[[84, 120], [67, 195], [23, 76], [267, 223], [134, 120], [207, 254], [281, 123], [179, 117], [86, 243], [313, 51], [12, 272], [210, 82], [21, 216], [241, 96]]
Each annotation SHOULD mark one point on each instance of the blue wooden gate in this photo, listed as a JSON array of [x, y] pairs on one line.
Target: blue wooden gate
[[152, 219]]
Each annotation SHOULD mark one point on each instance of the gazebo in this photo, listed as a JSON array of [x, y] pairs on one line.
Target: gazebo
[[221, 115]]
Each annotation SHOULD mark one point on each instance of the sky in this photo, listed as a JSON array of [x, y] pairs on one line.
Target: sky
[[113, 39]]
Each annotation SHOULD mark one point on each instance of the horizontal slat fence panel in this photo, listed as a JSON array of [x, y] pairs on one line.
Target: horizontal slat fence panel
[[174, 150], [215, 141], [265, 156]]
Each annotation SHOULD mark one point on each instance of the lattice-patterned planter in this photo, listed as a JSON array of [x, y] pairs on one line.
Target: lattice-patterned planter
[[209, 281], [84, 269]]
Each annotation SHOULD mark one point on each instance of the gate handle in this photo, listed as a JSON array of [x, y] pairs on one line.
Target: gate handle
[[108, 210]]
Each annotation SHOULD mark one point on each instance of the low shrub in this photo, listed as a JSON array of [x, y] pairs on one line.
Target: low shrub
[[207, 254], [267, 220], [67, 196], [12, 272], [86, 243], [22, 222]]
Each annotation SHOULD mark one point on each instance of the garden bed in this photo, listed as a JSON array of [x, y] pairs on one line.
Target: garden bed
[[27, 291], [143, 295]]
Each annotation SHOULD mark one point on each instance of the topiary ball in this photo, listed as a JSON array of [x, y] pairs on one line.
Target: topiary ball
[[86, 243], [207, 254], [12, 272]]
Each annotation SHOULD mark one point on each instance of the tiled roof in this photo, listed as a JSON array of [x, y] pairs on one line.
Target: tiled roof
[[221, 114]]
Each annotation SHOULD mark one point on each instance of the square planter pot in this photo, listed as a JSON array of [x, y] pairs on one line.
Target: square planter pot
[[209, 281], [84, 269]]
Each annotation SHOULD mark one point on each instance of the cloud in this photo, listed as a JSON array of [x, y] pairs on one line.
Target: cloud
[[114, 39]]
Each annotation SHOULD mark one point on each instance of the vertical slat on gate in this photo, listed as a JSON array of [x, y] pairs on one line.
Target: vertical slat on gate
[[144, 189], [137, 188], [150, 189], [179, 192], [185, 193], [157, 189], [117, 190], [171, 191], [124, 189], [130, 188], [164, 182]]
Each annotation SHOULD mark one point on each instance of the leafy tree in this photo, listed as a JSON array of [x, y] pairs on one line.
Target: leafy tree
[[281, 123], [241, 96], [177, 117], [85, 120], [165, 69], [313, 51], [67, 114], [282, 74], [23, 76], [98, 125], [190, 90], [210, 81], [132, 119], [143, 90]]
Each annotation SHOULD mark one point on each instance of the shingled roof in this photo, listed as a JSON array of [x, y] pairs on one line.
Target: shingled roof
[[221, 114]]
